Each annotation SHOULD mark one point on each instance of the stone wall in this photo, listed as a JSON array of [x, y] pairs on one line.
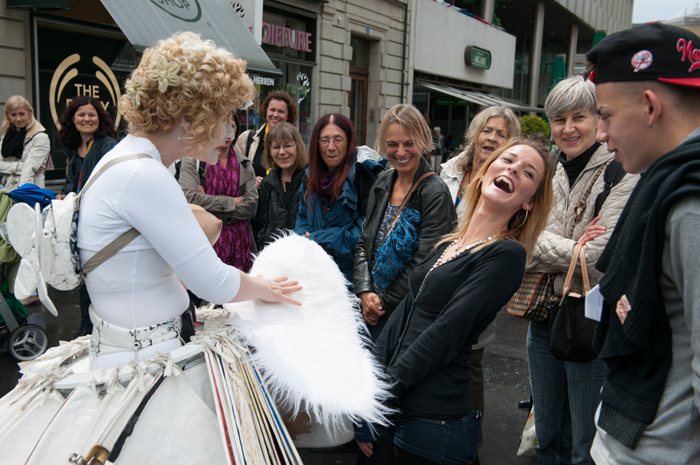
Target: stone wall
[[15, 54]]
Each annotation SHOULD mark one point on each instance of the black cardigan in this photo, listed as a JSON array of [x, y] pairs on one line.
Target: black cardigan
[[638, 353], [428, 340]]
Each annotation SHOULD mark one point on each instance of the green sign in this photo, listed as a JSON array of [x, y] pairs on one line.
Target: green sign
[[452, 101], [477, 57]]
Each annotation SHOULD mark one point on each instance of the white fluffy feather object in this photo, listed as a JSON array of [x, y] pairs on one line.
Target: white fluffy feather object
[[314, 357]]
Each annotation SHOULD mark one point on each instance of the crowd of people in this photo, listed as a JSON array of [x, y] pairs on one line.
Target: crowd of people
[[432, 259]]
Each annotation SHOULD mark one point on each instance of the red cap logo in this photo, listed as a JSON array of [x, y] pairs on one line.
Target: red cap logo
[[689, 53]]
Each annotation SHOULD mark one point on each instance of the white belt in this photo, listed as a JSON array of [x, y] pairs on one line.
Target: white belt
[[109, 339]]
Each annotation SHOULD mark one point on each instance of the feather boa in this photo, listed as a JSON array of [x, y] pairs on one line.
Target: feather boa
[[315, 358]]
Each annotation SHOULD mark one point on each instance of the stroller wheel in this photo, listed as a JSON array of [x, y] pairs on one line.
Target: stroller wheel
[[28, 342]]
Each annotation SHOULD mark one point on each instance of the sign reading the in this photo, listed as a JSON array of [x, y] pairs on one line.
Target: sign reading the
[[477, 57], [68, 82]]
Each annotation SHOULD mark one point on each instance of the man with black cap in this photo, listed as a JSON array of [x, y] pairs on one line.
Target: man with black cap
[[648, 96]]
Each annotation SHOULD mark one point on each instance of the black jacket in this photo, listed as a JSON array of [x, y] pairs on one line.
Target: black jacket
[[75, 164], [279, 207], [427, 342], [639, 353], [437, 218]]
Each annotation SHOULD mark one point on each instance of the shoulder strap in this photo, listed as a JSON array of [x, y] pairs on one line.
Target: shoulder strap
[[106, 166], [120, 242], [109, 251], [405, 201], [613, 175], [581, 205]]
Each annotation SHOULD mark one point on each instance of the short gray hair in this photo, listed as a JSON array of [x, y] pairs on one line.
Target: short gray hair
[[573, 93], [437, 128]]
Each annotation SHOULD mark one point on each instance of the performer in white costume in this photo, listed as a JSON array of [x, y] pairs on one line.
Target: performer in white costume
[[177, 104]]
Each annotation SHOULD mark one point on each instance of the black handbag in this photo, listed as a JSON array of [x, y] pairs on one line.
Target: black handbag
[[570, 332]]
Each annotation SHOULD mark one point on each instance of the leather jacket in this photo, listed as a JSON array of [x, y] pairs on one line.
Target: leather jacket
[[437, 218]]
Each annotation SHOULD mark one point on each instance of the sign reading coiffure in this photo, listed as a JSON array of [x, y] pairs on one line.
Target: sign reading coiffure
[[285, 37]]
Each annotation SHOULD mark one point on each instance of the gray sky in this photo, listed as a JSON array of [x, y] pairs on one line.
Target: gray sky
[[659, 10]]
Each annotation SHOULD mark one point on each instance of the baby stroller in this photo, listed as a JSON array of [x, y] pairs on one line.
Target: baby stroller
[[26, 341]]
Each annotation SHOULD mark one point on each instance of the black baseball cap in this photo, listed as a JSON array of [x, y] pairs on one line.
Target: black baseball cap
[[650, 52]]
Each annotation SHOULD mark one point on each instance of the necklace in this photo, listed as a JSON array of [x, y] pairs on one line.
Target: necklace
[[461, 248], [458, 252]]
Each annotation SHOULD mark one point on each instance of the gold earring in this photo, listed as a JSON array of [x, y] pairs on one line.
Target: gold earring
[[524, 220]]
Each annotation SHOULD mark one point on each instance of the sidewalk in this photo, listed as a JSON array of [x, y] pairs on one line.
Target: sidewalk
[[505, 374]]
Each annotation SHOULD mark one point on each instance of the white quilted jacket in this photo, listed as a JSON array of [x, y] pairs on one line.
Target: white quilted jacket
[[553, 251]]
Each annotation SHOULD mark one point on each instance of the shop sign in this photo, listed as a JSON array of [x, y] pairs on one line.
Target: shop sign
[[186, 10], [280, 36], [453, 101], [74, 78], [477, 57], [262, 81]]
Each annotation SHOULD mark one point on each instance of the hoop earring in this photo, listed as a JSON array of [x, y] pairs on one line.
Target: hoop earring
[[524, 220]]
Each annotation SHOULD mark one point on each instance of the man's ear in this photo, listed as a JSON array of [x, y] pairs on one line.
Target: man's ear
[[652, 105]]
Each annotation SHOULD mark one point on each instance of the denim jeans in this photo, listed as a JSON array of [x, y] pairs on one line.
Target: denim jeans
[[565, 396], [451, 441]]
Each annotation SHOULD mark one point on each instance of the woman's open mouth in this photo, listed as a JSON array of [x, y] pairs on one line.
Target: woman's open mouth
[[504, 184]]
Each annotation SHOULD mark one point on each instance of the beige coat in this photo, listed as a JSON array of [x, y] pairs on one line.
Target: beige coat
[[553, 251], [242, 142], [222, 206], [16, 172]]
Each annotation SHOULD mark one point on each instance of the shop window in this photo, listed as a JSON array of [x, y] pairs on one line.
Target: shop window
[[297, 81], [75, 61], [359, 75]]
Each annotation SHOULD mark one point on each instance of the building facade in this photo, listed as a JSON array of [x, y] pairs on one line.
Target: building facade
[[354, 57]]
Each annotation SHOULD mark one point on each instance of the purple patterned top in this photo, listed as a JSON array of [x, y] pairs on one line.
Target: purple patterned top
[[234, 246]]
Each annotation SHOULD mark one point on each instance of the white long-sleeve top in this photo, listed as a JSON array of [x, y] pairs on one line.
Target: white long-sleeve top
[[140, 285]]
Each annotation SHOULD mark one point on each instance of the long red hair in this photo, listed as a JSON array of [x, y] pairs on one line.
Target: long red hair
[[318, 168]]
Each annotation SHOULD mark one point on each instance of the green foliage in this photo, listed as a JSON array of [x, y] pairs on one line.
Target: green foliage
[[532, 124]]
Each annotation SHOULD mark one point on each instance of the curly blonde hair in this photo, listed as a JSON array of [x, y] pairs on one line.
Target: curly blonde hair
[[212, 83]]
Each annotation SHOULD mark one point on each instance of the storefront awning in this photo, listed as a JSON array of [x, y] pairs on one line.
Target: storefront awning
[[145, 22], [479, 98]]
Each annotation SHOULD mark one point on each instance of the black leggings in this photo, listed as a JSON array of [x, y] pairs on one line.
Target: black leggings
[[386, 453]]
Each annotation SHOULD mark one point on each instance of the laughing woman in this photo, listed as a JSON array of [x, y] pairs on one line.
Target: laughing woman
[[393, 243], [453, 295]]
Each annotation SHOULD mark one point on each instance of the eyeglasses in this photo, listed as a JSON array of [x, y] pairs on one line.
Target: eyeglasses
[[275, 149], [338, 141]]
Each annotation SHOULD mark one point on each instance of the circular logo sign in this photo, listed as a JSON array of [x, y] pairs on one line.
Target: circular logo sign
[[66, 81], [186, 10], [642, 60]]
